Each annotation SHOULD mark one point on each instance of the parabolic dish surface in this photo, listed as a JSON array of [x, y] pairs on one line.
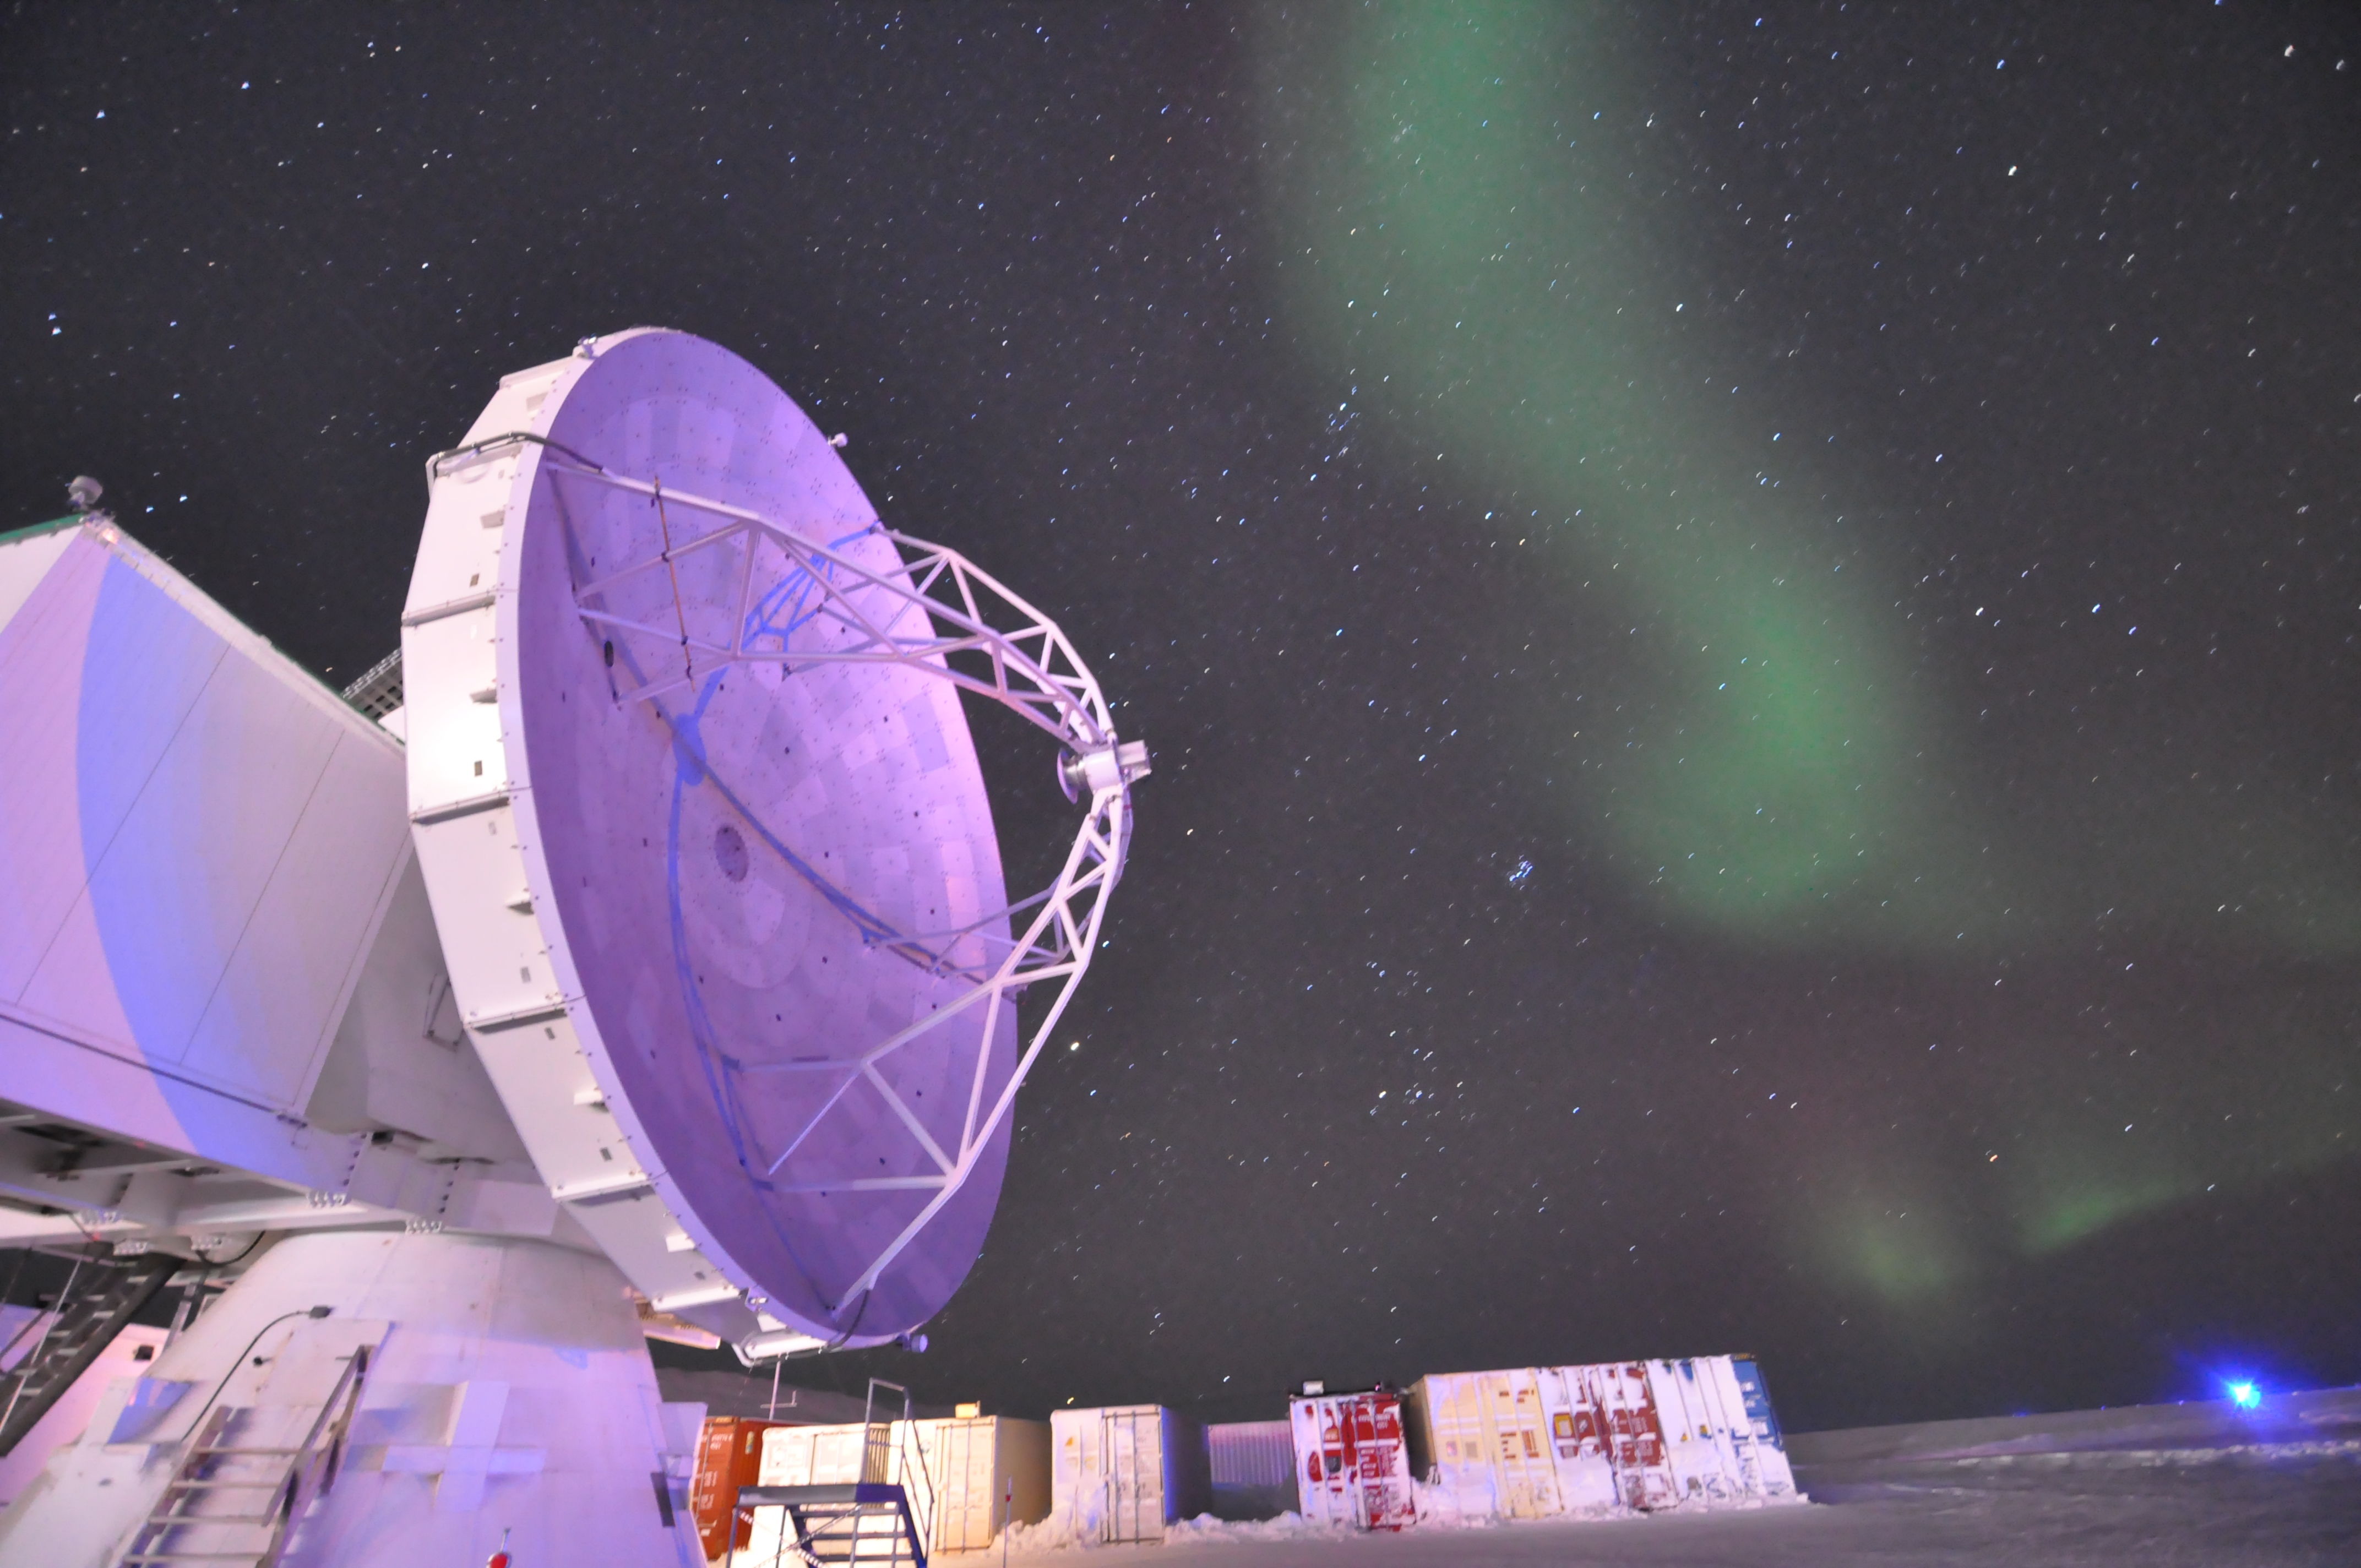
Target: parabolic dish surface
[[751, 874]]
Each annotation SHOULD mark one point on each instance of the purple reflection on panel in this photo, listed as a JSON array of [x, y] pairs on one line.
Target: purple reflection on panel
[[715, 857]]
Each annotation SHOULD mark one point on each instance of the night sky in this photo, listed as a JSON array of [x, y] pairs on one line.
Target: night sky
[[1748, 625]]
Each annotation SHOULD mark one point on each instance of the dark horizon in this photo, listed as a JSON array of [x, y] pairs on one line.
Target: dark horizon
[[1749, 629]]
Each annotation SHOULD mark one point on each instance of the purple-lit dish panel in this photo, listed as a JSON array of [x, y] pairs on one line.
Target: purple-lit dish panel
[[714, 864]]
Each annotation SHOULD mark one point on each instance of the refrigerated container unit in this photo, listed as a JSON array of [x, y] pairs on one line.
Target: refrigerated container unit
[[1721, 1437], [1253, 1469], [1530, 1442], [1483, 1440], [1122, 1472], [729, 1456], [1352, 1463]]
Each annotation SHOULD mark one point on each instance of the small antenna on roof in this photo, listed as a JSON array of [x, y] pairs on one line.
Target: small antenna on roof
[[84, 493]]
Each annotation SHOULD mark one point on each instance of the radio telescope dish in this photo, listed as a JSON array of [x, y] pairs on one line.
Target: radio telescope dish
[[708, 840]]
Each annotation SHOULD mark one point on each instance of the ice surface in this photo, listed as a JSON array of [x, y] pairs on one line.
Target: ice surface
[[2074, 1491]]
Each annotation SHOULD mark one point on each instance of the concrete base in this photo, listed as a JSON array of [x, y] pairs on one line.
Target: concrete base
[[509, 1391]]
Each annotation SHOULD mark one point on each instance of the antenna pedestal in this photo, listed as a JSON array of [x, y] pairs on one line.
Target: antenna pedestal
[[507, 1390]]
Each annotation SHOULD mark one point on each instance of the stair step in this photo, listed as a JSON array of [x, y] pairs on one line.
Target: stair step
[[211, 1484], [221, 1451]]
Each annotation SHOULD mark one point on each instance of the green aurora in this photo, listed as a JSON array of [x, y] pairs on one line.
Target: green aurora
[[1462, 241]]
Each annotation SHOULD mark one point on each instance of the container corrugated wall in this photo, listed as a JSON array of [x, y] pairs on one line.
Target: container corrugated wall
[[1122, 1472], [729, 1456], [1253, 1469]]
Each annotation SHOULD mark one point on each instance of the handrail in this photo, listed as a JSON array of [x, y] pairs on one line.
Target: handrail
[[313, 1471]]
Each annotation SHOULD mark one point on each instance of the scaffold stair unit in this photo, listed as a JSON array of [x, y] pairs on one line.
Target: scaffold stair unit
[[862, 1522], [99, 1298]]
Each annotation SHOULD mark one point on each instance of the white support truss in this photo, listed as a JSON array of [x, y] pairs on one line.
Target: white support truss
[[936, 607]]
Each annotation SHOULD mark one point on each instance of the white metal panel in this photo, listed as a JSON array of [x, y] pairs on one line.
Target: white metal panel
[[199, 843], [474, 878], [298, 956], [454, 743], [27, 558], [190, 889], [399, 1058]]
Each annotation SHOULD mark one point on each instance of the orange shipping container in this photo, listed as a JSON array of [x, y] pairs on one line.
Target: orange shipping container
[[729, 1456]]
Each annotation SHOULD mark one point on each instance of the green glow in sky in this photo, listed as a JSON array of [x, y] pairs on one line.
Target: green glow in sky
[[1470, 238], [1491, 285]]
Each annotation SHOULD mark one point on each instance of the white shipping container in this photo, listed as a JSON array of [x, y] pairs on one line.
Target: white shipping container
[[958, 1473], [1124, 1472], [1530, 1442], [891, 1452], [1721, 1439], [988, 1471]]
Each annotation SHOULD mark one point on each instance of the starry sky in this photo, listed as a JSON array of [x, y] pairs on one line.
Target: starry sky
[[1747, 616]]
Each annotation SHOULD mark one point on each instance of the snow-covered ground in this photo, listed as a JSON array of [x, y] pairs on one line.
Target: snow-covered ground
[[2165, 1484]]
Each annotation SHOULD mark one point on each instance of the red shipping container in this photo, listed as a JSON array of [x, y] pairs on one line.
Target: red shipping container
[[1351, 1464], [729, 1456]]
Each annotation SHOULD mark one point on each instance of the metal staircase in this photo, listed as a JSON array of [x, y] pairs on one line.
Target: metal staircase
[[99, 1298], [862, 1524], [235, 1498], [882, 1521]]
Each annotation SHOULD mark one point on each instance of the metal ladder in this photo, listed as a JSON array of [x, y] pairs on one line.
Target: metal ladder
[[286, 1481], [99, 1298]]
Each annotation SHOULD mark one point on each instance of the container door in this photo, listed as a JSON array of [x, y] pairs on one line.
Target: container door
[[1131, 1452], [836, 1456], [1635, 1437], [1524, 1468], [965, 1502], [1767, 1451], [1379, 1461], [787, 1456], [1702, 1470], [1462, 1461], [946, 1459], [1320, 1484], [1073, 1472], [1578, 1440]]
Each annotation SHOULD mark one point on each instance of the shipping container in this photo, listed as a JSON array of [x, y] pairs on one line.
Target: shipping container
[[1352, 1466], [1124, 1472], [1530, 1442], [729, 1456], [1483, 1440], [1253, 1469], [988, 1471], [1721, 1439], [960, 1476]]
